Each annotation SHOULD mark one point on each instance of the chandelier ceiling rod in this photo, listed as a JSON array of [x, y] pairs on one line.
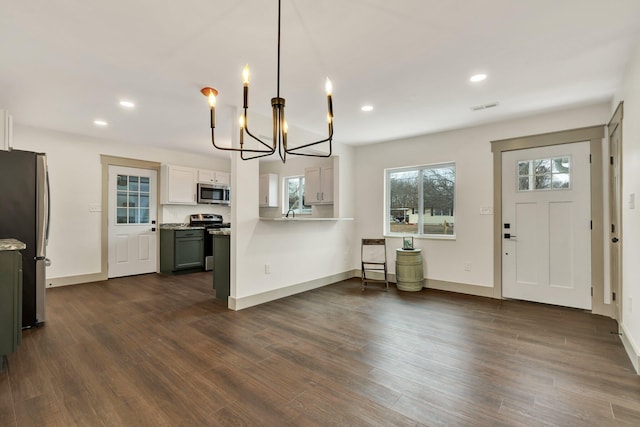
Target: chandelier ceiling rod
[[280, 128]]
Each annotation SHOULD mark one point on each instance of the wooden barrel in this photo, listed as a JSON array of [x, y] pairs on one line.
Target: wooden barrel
[[409, 275]]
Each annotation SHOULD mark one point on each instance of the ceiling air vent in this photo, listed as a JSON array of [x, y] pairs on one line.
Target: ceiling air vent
[[484, 106]]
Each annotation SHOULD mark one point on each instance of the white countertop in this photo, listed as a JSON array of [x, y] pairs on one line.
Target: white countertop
[[299, 219]]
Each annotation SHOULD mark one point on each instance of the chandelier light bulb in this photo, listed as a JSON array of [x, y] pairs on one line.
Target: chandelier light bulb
[[245, 75], [241, 121], [285, 127], [211, 94], [328, 86]]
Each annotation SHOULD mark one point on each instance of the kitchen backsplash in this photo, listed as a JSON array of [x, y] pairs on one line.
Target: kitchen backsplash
[[180, 213]]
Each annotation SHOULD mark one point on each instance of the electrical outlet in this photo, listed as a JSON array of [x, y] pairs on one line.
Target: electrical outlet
[[95, 208], [267, 269], [467, 266]]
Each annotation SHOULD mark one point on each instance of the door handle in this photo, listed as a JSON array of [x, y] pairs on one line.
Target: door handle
[[615, 240]]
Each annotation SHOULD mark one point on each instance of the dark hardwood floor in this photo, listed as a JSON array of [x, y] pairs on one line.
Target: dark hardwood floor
[[159, 350]]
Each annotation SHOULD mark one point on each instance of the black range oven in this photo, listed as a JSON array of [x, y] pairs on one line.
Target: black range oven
[[208, 221]]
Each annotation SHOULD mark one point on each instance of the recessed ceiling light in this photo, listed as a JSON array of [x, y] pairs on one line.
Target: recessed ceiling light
[[99, 122], [477, 78], [367, 107], [127, 104]]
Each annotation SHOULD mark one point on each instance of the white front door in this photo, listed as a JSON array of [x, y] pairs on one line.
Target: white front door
[[132, 221], [546, 234]]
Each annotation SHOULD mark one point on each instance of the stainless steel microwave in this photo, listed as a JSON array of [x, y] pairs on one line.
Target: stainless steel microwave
[[214, 194]]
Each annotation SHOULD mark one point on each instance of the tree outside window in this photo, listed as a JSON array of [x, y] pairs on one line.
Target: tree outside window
[[294, 187], [421, 200]]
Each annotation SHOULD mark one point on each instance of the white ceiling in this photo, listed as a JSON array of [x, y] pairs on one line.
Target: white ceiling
[[64, 63]]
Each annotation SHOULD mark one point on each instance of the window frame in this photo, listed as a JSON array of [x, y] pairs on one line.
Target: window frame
[[420, 168], [285, 198]]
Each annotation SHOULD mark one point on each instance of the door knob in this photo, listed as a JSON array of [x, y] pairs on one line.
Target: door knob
[[615, 240]]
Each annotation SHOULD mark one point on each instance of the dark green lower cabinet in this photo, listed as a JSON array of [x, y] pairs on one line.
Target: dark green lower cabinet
[[221, 265], [181, 250], [10, 303]]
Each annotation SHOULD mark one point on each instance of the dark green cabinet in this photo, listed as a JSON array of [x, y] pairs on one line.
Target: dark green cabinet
[[10, 302], [221, 265], [181, 250]]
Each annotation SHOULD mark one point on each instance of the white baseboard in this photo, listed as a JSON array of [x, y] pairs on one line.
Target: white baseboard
[[632, 349], [75, 280], [461, 288], [251, 300]]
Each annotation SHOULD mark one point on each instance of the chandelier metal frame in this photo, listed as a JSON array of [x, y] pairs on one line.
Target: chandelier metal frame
[[280, 129]]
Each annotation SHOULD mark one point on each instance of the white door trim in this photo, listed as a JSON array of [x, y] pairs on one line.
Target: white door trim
[[594, 134]]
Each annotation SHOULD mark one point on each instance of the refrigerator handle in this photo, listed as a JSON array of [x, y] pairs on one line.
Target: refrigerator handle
[[48, 206], [42, 206]]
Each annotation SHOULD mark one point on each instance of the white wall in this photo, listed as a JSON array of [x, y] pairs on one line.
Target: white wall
[[300, 255], [75, 174], [470, 149], [629, 92]]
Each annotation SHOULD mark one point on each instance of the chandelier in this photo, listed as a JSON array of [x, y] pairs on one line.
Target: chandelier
[[261, 148]]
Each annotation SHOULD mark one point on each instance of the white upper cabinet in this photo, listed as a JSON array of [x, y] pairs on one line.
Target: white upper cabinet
[[214, 177], [318, 185], [178, 185], [268, 190]]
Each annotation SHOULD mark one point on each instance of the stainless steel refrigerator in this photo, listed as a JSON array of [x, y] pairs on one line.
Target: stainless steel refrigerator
[[24, 215]]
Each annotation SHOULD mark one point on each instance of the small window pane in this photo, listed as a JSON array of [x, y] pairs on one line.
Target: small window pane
[[561, 165], [122, 182], [122, 199], [121, 216], [523, 183], [144, 184], [543, 182], [561, 180], [543, 166], [523, 168], [133, 183], [133, 216], [133, 200], [144, 216], [144, 200]]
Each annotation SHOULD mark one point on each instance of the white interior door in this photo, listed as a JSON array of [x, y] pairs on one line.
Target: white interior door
[[546, 212], [132, 221]]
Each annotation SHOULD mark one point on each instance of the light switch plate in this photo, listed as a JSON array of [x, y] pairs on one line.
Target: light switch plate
[[486, 210], [95, 208]]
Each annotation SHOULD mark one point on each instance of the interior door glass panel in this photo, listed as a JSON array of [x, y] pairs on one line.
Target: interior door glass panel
[[132, 200]]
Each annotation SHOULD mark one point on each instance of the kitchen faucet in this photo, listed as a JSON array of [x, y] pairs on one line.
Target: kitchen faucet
[[292, 211]]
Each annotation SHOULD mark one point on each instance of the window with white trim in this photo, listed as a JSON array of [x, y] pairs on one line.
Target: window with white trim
[[294, 195], [421, 200]]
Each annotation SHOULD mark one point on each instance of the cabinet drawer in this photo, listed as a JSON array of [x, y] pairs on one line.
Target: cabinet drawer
[[189, 233]]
